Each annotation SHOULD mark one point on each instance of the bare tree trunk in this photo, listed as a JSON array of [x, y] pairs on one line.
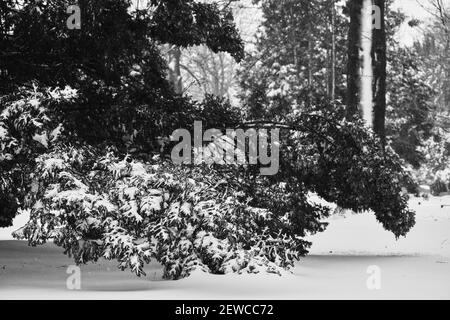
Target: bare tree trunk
[[379, 73], [366, 95], [354, 61], [310, 77], [175, 69], [310, 56], [333, 51]]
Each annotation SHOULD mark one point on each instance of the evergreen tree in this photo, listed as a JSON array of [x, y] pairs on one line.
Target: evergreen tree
[[434, 51], [299, 58], [113, 62], [411, 109]]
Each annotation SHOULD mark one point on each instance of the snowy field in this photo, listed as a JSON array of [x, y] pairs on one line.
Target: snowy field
[[416, 267]]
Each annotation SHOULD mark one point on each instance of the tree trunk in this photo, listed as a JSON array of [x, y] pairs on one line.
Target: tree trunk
[[354, 61], [310, 58], [378, 54], [175, 69], [333, 51]]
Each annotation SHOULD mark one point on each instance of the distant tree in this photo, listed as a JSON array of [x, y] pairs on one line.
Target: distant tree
[[205, 72], [411, 110], [434, 50], [299, 58]]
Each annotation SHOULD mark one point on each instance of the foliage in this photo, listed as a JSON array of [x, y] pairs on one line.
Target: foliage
[[113, 61], [132, 212], [95, 205], [27, 129], [410, 112], [187, 23], [344, 163], [291, 66], [434, 171], [434, 52], [62, 151], [274, 83]]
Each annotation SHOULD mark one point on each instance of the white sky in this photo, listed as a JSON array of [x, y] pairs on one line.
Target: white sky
[[413, 10]]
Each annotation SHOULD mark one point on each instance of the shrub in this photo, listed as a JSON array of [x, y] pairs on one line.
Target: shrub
[[27, 129], [132, 212]]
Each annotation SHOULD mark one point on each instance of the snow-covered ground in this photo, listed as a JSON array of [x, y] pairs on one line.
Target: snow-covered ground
[[416, 267]]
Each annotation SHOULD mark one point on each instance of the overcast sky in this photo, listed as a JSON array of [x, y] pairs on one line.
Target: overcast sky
[[413, 9]]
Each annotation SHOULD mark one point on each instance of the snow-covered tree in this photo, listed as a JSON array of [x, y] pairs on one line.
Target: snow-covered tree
[[76, 148], [299, 57]]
